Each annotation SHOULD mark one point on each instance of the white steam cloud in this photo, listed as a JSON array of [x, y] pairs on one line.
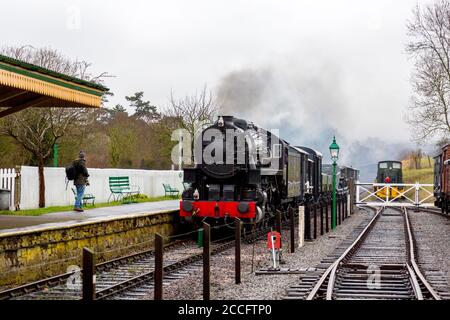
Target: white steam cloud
[[308, 104]]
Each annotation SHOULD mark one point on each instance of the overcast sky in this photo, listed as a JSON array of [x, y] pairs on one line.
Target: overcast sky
[[343, 61]]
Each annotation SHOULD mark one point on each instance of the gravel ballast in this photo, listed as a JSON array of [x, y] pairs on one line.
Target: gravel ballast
[[432, 234], [263, 286]]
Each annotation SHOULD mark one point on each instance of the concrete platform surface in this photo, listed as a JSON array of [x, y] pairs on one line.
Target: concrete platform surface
[[10, 223]]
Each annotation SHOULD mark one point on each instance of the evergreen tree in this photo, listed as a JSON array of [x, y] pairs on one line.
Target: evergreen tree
[[143, 109]]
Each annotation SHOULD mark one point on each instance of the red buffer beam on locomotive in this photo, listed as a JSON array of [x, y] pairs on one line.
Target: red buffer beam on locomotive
[[219, 209]]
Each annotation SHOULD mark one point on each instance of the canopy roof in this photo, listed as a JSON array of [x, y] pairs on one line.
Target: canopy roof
[[24, 85]]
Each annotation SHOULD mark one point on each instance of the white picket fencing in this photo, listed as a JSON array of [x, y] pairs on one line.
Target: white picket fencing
[[7, 181]]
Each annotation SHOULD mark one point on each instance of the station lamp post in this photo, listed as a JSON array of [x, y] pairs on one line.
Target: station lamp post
[[334, 152]]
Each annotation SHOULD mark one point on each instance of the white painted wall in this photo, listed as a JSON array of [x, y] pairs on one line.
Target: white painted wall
[[149, 181]]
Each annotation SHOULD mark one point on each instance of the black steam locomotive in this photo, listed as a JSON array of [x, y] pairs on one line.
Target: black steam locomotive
[[243, 171]]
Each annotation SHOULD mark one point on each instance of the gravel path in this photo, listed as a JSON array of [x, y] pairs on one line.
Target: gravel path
[[432, 233], [259, 287]]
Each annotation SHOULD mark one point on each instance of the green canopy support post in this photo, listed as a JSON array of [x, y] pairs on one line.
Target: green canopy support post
[[55, 155]]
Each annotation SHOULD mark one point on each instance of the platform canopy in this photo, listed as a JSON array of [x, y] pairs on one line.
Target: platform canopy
[[24, 85]]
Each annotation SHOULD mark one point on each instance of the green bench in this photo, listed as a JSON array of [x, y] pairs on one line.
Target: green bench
[[87, 197], [121, 189], [168, 190]]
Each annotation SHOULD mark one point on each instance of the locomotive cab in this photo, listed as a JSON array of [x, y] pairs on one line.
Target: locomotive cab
[[389, 172]]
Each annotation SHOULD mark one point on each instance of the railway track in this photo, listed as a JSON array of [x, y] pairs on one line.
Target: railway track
[[377, 263], [128, 277], [57, 287]]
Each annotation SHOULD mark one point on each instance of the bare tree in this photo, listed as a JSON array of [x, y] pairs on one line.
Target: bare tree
[[192, 112], [429, 45], [38, 129], [417, 158]]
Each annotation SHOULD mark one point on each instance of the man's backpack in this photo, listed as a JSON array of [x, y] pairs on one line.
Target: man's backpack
[[71, 172]]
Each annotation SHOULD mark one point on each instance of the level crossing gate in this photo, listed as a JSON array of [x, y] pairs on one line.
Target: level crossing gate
[[394, 194]]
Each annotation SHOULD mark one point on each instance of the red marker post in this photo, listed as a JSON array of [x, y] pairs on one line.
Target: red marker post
[[274, 245]]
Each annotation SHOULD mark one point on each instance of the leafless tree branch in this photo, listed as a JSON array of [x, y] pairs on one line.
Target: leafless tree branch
[[429, 45]]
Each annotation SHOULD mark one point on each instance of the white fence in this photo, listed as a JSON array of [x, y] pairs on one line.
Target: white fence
[[149, 181], [7, 177], [406, 194]]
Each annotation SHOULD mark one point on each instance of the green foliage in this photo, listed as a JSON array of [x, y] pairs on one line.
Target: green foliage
[[117, 108], [123, 141], [12, 153], [143, 109], [110, 137]]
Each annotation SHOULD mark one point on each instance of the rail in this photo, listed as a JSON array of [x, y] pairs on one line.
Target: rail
[[412, 261], [331, 270], [136, 280], [421, 288]]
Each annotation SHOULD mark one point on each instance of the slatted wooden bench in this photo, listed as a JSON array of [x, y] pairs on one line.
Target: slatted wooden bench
[[121, 189]]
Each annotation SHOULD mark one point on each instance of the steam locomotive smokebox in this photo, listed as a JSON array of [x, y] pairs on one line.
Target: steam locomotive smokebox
[[5, 195]]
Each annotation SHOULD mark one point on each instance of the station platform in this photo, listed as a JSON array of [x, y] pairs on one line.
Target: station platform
[[12, 223]]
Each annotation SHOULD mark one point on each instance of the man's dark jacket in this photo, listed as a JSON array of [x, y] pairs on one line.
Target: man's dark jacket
[[82, 172]]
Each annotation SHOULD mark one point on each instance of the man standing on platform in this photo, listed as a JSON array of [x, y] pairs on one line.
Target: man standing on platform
[[80, 181]]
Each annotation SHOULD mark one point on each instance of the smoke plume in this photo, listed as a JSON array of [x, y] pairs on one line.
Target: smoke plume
[[308, 105]]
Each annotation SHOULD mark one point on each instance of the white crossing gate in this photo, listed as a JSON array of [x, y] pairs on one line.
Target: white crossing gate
[[7, 181], [394, 194]]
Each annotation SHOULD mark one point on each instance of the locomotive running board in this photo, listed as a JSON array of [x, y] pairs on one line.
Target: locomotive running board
[[409, 195]]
